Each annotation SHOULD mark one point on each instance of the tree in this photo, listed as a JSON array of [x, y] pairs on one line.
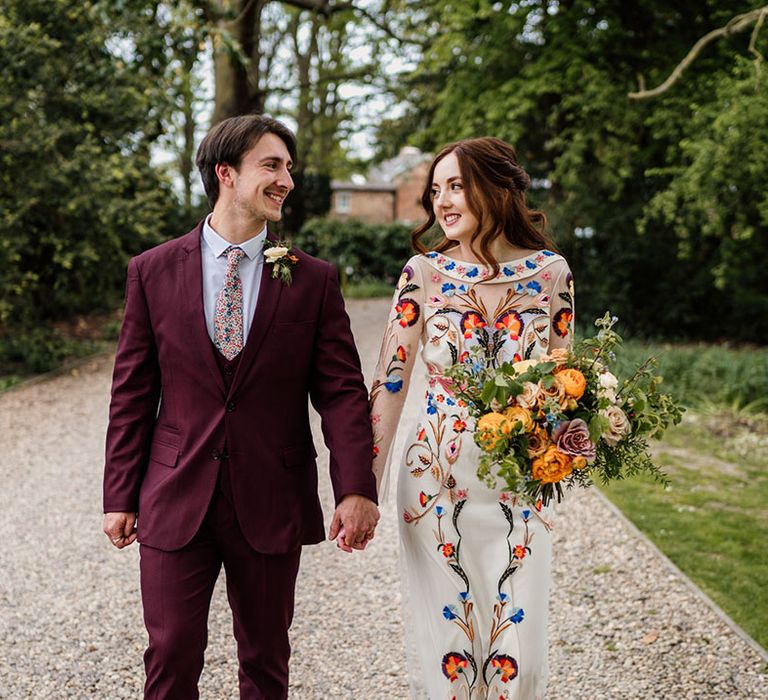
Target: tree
[[77, 192]]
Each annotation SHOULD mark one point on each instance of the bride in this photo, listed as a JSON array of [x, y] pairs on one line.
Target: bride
[[476, 563]]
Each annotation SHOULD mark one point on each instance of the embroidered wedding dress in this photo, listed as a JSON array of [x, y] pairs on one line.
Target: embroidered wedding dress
[[476, 564]]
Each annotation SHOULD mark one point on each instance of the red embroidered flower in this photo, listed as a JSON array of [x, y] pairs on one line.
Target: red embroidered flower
[[407, 516], [440, 398], [459, 426], [421, 435], [506, 665], [447, 549], [375, 450], [401, 353], [424, 499], [454, 664], [407, 312], [518, 551]]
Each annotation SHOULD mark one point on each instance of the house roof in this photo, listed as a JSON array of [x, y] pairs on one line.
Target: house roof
[[384, 176]]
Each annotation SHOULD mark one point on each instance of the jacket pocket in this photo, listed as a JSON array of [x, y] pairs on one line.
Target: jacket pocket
[[165, 447], [299, 456]]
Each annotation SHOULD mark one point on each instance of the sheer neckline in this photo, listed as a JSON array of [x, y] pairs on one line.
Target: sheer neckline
[[478, 272]]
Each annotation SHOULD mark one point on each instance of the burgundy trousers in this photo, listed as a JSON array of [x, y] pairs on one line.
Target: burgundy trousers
[[176, 590]]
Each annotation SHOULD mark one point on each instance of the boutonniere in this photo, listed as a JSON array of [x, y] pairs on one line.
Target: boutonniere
[[282, 260]]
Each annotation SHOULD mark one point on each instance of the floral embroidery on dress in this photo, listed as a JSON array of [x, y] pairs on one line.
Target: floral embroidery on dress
[[442, 308]]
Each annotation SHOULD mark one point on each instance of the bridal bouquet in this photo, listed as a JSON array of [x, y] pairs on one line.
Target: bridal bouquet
[[565, 418]]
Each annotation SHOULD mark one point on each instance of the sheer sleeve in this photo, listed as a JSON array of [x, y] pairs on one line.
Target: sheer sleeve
[[395, 365], [562, 310]]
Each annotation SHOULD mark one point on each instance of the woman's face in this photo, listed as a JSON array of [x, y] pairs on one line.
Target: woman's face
[[448, 201]]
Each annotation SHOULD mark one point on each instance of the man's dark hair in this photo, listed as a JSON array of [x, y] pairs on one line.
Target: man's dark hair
[[230, 139]]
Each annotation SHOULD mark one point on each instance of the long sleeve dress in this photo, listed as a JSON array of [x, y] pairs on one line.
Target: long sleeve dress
[[476, 564]]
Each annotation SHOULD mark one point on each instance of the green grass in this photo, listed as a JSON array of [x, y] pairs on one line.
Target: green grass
[[712, 521]]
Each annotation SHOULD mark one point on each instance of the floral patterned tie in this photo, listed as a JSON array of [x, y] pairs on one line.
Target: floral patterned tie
[[228, 319]]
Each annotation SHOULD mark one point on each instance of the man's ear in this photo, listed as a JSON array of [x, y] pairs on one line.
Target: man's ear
[[225, 173]]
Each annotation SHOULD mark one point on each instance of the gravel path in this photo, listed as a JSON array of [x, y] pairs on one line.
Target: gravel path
[[623, 624]]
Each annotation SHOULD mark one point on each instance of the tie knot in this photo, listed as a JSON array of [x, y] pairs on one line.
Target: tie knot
[[234, 254]]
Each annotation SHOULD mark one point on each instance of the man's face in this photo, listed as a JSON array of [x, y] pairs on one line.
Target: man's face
[[263, 179]]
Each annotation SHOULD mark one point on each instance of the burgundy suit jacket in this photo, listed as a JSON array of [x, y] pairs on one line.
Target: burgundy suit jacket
[[170, 415]]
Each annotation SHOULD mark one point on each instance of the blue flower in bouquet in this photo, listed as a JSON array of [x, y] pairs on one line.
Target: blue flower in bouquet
[[449, 612]]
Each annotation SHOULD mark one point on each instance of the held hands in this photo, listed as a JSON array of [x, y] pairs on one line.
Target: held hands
[[354, 522], [120, 528]]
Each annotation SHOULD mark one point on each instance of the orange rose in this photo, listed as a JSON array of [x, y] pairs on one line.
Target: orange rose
[[579, 462], [488, 427], [552, 466], [573, 381], [516, 415], [538, 442]]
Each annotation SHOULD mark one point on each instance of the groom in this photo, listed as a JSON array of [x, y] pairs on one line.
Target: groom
[[209, 455]]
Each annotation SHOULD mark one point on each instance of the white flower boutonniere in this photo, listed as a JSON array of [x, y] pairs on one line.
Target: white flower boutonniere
[[282, 260]]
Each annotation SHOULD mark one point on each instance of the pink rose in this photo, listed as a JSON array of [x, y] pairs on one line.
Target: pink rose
[[572, 438]]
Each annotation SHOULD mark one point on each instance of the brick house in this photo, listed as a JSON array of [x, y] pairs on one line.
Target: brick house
[[391, 191]]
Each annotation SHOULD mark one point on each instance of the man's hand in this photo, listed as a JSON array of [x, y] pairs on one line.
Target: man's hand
[[354, 522], [120, 528]]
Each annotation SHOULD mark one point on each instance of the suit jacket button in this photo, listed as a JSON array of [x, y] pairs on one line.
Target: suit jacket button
[[230, 407], [215, 455]]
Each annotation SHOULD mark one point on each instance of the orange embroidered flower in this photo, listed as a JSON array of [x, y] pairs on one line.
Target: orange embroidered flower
[[459, 426], [470, 322], [401, 353], [506, 665], [518, 551], [573, 381], [454, 664], [510, 321], [562, 322], [447, 549], [552, 466], [421, 435], [407, 312], [424, 499]]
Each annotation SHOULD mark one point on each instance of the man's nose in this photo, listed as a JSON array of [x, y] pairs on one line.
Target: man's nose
[[285, 179]]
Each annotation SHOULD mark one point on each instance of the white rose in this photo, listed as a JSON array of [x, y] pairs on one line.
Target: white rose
[[529, 396], [274, 253], [606, 386], [618, 426], [524, 365]]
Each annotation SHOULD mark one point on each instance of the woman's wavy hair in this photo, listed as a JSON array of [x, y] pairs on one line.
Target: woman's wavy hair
[[494, 185]]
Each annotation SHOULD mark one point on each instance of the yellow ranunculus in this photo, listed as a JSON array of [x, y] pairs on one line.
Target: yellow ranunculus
[[488, 427], [517, 414], [573, 381], [552, 466], [579, 462]]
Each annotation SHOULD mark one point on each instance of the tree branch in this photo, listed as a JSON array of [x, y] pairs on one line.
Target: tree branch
[[737, 24]]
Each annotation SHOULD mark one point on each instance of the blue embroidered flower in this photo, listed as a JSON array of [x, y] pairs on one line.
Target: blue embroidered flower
[[508, 272], [448, 289], [464, 596], [530, 265], [450, 265], [547, 252], [450, 402], [393, 383], [526, 514], [533, 288], [431, 407], [503, 597], [439, 510], [519, 288], [431, 254], [449, 612], [462, 287], [517, 616], [473, 272]]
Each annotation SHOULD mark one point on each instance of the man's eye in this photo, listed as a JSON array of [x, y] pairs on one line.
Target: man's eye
[[271, 166]]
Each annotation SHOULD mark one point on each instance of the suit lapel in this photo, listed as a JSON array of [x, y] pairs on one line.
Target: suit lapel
[[193, 309], [266, 305]]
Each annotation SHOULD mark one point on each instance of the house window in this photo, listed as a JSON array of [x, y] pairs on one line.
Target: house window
[[342, 202]]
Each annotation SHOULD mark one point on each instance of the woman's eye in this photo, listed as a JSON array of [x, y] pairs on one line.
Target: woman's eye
[[456, 186]]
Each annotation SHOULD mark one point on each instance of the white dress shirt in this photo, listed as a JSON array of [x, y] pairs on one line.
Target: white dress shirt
[[212, 247]]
